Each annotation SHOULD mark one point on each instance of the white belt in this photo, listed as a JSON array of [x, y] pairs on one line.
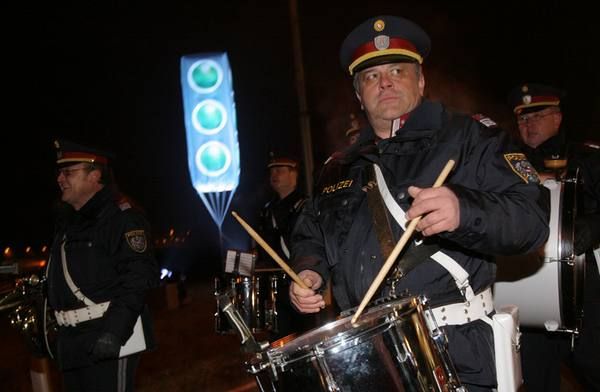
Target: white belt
[[463, 312], [76, 316]]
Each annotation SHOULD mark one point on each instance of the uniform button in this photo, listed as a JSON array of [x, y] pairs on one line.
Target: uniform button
[[344, 202], [477, 221], [401, 195], [319, 213], [89, 244], [373, 257]]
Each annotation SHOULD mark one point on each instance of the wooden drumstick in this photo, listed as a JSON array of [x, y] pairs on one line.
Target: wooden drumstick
[[269, 250], [398, 248]]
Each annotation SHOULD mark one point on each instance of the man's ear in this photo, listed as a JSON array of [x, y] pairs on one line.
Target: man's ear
[[558, 119], [359, 100], [96, 175]]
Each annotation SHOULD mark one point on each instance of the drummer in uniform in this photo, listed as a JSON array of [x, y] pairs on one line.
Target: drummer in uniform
[[491, 203], [277, 219], [552, 151]]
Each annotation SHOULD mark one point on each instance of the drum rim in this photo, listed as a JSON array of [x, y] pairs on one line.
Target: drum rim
[[375, 320]]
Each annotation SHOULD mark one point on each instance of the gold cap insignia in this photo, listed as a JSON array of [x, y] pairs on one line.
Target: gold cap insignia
[[379, 25]]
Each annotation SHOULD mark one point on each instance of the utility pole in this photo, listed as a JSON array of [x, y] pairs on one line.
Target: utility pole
[[304, 117]]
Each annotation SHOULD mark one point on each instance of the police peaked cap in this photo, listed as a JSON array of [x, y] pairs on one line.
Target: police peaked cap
[[68, 152], [381, 40], [283, 162], [532, 97]]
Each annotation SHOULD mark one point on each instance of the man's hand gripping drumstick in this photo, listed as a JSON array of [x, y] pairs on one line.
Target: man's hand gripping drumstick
[[436, 225], [269, 250]]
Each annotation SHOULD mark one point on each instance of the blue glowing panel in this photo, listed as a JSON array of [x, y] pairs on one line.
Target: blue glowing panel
[[210, 122]]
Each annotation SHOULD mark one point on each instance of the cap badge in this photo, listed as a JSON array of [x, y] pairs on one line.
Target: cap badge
[[382, 42], [527, 99], [379, 25]]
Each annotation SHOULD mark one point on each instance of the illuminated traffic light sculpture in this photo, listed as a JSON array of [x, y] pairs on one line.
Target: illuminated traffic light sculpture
[[210, 122]]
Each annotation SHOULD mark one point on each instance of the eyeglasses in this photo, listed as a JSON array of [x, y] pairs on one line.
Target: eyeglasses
[[68, 172], [533, 117]]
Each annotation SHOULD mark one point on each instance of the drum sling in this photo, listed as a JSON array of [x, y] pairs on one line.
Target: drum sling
[[478, 306]]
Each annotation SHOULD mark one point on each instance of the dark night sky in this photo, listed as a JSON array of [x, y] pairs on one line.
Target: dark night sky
[[108, 74]]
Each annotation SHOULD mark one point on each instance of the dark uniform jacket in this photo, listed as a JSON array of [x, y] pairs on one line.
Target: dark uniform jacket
[[503, 210], [109, 257], [277, 219]]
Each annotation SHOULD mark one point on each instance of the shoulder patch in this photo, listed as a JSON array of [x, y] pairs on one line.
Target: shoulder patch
[[488, 122], [520, 165], [136, 239]]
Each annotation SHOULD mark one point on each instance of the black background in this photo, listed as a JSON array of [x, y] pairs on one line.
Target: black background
[[107, 73]]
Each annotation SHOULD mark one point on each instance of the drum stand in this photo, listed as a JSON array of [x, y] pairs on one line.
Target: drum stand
[[249, 344]]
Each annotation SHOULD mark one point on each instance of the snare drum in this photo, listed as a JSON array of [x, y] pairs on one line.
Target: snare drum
[[548, 286], [389, 349], [254, 297]]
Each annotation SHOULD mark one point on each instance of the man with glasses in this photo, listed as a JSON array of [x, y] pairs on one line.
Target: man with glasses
[[549, 148], [100, 267]]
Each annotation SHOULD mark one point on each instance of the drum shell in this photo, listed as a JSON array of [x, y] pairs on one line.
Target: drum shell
[[391, 349], [547, 286]]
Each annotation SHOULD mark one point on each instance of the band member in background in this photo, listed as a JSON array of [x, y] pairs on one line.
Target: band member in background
[[277, 219], [552, 151], [101, 265], [490, 204]]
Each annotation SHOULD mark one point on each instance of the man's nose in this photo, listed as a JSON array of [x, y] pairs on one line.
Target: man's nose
[[384, 81]]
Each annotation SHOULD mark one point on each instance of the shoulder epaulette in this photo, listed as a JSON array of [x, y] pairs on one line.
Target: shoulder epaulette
[[488, 122]]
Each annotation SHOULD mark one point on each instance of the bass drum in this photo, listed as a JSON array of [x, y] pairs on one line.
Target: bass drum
[[548, 286], [390, 348]]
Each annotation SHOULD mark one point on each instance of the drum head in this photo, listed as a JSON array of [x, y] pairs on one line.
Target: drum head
[[341, 333]]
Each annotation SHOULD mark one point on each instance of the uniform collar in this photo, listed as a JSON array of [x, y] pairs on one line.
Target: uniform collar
[[428, 115], [96, 204]]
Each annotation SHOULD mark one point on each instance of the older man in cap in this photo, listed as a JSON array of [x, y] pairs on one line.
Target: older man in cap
[[554, 152], [100, 267], [491, 203]]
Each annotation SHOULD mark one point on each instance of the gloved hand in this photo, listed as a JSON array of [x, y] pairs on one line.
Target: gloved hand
[[587, 233], [107, 346]]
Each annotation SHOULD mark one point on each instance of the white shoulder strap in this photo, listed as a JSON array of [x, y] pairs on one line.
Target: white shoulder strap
[[284, 247], [76, 290], [461, 277], [389, 201]]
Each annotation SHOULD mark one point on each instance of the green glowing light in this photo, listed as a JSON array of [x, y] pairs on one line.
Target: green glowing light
[[213, 158], [205, 75], [210, 116]]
